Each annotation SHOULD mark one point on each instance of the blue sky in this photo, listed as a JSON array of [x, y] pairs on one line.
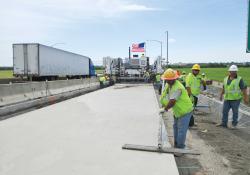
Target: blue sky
[[199, 30]]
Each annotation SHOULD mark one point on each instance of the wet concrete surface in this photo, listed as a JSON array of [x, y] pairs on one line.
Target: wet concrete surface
[[84, 135]]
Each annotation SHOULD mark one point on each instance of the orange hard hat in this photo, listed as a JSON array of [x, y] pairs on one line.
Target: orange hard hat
[[170, 74]]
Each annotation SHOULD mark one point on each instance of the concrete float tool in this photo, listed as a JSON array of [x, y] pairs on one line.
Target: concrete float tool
[[159, 148]]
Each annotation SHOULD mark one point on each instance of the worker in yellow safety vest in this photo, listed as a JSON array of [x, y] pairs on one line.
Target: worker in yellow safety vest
[[233, 90], [158, 78], [204, 80], [182, 78], [175, 97], [146, 77], [158, 82], [193, 85], [102, 80]]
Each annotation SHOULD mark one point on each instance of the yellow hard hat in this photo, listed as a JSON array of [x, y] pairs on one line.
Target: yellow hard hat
[[170, 74], [196, 67]]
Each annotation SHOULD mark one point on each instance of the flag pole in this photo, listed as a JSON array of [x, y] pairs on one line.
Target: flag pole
[[129, 53]]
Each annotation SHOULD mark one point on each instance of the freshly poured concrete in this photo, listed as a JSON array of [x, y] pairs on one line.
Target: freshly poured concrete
[[84, 136]]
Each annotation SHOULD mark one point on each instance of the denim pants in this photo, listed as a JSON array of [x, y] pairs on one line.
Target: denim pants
[[227, 105], [180, 130]]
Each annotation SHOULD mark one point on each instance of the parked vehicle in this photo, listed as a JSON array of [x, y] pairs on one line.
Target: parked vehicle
[[37, 61]]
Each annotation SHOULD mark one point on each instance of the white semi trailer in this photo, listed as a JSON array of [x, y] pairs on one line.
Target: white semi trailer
[[36, 61]]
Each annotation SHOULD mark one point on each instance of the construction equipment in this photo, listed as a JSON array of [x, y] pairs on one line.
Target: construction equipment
[[130, 69]]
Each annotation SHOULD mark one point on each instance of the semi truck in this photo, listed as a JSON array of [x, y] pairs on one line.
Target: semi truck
[[37, 61]]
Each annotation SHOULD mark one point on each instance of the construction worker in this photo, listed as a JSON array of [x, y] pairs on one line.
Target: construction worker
[[158, 78], [204, 80], [146, 77], [182, 78], [193, 85], [102, 80], [233, 89], [175, 96], [158, 82], [178, 72]]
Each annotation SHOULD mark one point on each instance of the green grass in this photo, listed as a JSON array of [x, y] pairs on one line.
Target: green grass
[[6, 74], [219, 74], [99, 71], [9, 73]]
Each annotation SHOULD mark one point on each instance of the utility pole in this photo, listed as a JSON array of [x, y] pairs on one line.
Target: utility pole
[[160, 42], [166, 32]]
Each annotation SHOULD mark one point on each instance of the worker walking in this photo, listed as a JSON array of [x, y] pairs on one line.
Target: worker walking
[[193, 85], [233, 89], [175, 96]]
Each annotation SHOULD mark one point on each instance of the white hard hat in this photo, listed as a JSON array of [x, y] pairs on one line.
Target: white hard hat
[[233, 68]]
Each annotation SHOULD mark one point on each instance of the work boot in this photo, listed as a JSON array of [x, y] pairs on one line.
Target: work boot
[[221, 125], [234, 127]]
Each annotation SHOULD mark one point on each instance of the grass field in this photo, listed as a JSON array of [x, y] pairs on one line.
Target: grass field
[[218, 74], [9, 73], [99, 71], [6, 74]]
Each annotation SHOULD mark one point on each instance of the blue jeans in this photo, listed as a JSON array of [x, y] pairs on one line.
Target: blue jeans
[[227, 105], [180, 130]]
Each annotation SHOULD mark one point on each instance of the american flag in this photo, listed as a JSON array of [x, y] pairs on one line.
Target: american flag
[[138, 47]]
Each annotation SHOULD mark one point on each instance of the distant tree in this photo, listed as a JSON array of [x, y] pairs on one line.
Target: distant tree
[[6, 68]]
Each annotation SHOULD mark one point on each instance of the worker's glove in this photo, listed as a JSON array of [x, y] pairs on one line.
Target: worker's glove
[[161, 111]]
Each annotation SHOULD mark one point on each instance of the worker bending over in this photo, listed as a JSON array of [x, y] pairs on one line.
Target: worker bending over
[[175, 96]]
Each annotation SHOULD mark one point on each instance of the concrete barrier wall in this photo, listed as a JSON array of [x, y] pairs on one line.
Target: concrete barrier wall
[[19, 92]]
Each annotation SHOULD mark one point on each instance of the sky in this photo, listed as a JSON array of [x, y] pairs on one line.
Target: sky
[[198, 30]]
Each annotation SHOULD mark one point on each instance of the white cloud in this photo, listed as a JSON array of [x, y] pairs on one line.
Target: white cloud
[[41, 15], [135, 7], [76, 9], [29, 16], [33, 20]]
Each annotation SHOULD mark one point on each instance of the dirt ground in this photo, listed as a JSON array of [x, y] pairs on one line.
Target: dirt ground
[[234, 145], [223, 151]]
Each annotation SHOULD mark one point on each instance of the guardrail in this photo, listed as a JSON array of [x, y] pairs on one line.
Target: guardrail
[[20, 92]]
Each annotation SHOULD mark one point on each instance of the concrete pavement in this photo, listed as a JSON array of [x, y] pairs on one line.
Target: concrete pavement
[[84, 135]]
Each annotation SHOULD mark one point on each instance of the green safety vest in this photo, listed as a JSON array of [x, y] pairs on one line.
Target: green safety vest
[[102, 79], [183, 104], [158, 78], [194, 82], [232, 91], [204, 79], [182, 78]]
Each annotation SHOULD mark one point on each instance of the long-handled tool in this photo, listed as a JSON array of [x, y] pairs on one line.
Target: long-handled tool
[[159, 148]]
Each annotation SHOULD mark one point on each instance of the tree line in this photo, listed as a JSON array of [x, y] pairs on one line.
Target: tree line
[[210, 65]]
